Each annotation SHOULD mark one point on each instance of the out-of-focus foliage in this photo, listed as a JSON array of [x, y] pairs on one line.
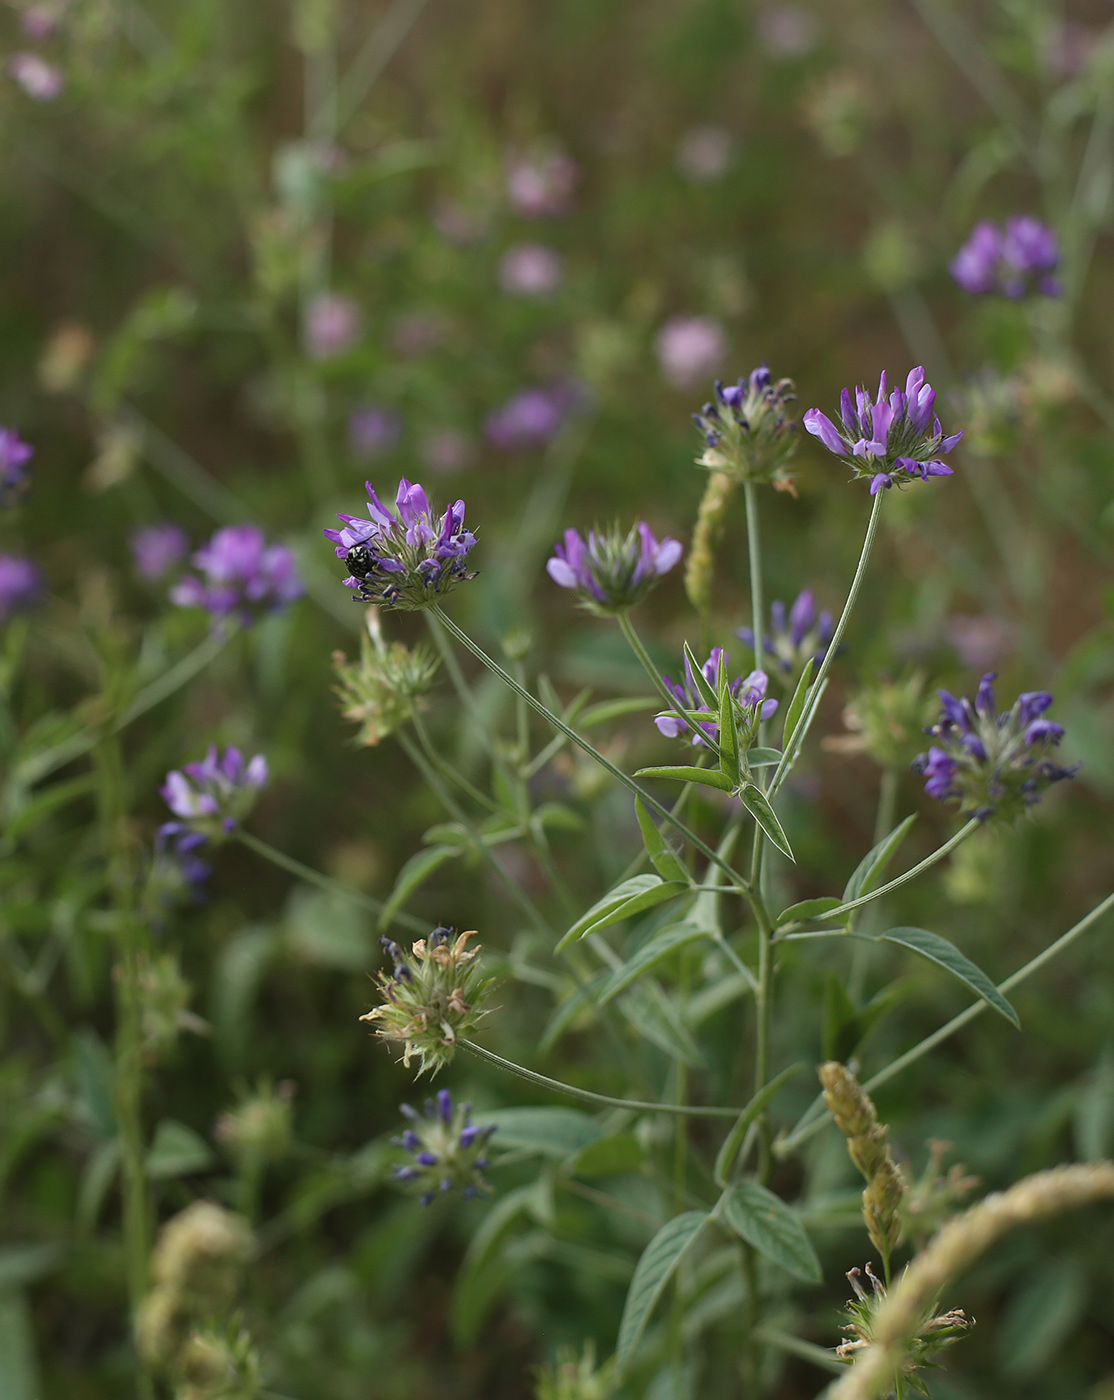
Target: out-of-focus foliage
[[254, 254]]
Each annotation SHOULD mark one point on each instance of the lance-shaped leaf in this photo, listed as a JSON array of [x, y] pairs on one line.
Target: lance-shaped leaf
[[948, 956], [706, 692], [728, 738], [641, 892], [796, 708], [659, 1260], [416, 870], [763, 758], [757, 804], [807, 909], [648, 957], [873, 865], [725, 1158], [710, 777], [767, 1223], [662, 856]]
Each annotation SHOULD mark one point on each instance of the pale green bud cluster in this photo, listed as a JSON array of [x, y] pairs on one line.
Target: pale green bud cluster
[[573, 1376], [381, 691], [258, 1129], [887, 720], [934, 1331]]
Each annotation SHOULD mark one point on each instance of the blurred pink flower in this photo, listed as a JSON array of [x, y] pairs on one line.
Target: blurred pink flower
[[332, 324], [788, 30], [542, 185], [689, 349], [448, 451], [705, 153], [980, 642], [530, 270], [458, 224], [374, 429], [38, 22], [37, 78]]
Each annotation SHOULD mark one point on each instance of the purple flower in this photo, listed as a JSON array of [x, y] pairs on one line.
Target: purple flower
[[449, 1152], [37, 78], [748, 694], [174, 877], [992, 764], [542, 185], [796, 639], [374, 429], [530, 270], [748, 431], [211, 798], [21, 585], [405, 560], [611, 572], [1011, 261], [705, 154], [689, 348], [243, 576], [447, 451], [530, 418], [14, 456], [332, 325], [157, 549], [890, 441]]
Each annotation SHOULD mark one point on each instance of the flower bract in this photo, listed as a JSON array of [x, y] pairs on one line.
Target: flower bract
[[748, 431], [447, 1152], [747, 692]]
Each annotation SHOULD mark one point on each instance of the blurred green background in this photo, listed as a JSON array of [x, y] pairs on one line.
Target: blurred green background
[[610, 203]]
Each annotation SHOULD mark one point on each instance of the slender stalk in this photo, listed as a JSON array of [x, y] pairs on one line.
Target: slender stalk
[[450, 772], [604, 1100], [815, 1117], [816, 689], [651, 670], [325, 882], [754, 553], [460, 684], [582, 743], [941, 851], [884, 822]]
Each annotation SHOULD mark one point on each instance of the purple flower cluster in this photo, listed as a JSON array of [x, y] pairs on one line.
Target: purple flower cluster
[[242, 576], [21, 585], [408, 560], [992, 764], [891, 441], [690, 347], [530, 418], [158, 549], [542, 185], [797, 638], [448, 1151], [1020, 258], [211, 798], [14, 456], [611, 572], [37, 78], [747, 430], [748, 693]]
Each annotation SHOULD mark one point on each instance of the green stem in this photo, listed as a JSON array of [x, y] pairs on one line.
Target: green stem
[[754, 548], [452, 773], [816, 688], [941, 851], [460, 685], [604, 1100], [651, 670], [582, 743], [324, 882], [884, 822], [815, 1117]]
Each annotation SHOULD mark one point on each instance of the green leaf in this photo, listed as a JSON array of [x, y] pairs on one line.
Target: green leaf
[[664, 859], [657, 1020], [659, 1259], [46, 803], [550, 1132], [707, 693], [632, 896], [19, 1371], [948, 956], [840, 1022], [872, 866], [177, 1151], [807, 909], [725, 1158], [616, 709], [24, 1263], [728, 738], [796, 709], [767, 1223], [415, 872], [615, 1155], [648, 956], [763, 758], [757, 804], [710, 777]]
